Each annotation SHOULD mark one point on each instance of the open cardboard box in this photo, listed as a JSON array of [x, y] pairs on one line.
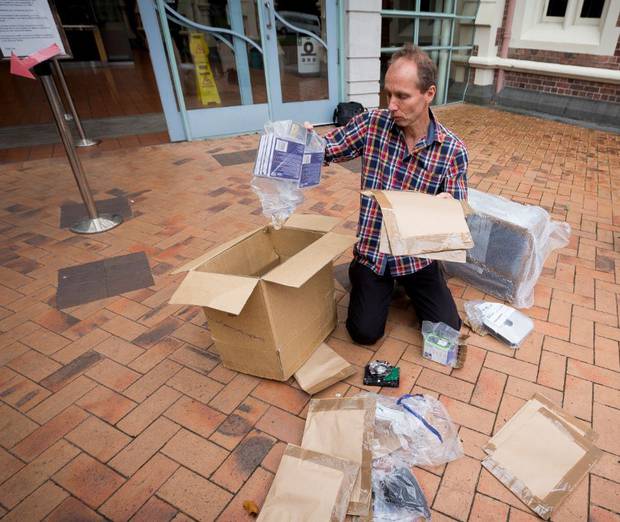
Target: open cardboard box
[[268, 295]]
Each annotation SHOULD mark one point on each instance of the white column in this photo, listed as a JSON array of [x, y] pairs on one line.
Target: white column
[[488, 20], [363, 51]]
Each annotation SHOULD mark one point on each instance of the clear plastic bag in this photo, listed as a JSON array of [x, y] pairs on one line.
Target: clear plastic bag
[[289, 159], [441, 343], [396, 493], [415, 430], [512, 242], [474, 317], [279, 198]]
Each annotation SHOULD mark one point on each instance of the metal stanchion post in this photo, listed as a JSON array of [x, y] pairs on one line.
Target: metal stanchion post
[[60, 79], [94, 223]]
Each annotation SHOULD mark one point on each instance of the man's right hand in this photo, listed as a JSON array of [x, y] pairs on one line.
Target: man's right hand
[[308, 125]]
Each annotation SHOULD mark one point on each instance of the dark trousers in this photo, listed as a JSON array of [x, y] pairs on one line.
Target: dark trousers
[[371, 295]]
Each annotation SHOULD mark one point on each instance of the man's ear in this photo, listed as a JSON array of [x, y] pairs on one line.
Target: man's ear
[[430, 94]]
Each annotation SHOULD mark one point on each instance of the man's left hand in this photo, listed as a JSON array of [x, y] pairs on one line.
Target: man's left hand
[[445, 195]]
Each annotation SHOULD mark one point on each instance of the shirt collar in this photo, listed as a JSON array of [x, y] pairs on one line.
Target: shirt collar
[[434, 133]]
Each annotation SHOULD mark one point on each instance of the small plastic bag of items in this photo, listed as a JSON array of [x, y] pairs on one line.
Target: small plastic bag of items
[[415, 430], [501, 321], [397, 496], [441, 343], [289, 159], [511, 243]]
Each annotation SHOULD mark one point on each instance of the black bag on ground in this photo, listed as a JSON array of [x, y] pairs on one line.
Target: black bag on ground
[[345, 111]]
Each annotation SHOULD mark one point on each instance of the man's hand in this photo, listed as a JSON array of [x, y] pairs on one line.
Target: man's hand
[[308, 125], [445, 195]]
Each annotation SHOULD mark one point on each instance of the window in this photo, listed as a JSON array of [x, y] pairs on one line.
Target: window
[[592, 8], [574, 26], [556, 8], [448, 38]]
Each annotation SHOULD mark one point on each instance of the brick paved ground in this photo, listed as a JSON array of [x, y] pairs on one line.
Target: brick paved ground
[[119, 408]]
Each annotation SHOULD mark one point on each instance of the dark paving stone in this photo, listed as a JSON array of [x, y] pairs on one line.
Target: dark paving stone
[[23, 265], [251, 452], [116, 192], [182, 161], [39, 239], [16, 208], [236, 158], [100, 279], [71, 213], [157, 332], [67, 373], [234, 425], [605, 264]]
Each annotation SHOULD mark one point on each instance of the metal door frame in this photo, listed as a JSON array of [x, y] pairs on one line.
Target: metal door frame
[[184, 124], [317, 111]]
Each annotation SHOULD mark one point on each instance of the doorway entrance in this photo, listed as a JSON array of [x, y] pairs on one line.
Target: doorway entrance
[[227, 66]]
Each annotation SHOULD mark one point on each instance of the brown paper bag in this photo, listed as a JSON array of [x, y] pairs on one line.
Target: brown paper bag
[[309, 486], [324, 368], [344, 428]]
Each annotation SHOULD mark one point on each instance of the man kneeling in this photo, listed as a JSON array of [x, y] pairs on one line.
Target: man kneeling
[[402, 147]]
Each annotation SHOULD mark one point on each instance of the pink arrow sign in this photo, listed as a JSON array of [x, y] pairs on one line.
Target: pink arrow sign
[[22, 66]]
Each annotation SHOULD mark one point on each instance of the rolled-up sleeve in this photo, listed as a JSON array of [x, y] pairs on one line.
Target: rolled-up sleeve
[[345, 143], [456, 180]]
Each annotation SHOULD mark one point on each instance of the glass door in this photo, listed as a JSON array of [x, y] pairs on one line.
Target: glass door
[[227, 66], [303, 80]]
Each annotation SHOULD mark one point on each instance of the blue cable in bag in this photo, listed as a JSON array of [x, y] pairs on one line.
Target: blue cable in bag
[[433, 430]]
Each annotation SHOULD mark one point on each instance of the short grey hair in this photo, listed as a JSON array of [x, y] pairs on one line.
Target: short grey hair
[[427, 70]]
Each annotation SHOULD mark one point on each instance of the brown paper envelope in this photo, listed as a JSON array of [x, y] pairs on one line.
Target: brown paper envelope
[[309, 486], [542, 460], [324, 368], [527, 410], [344, 428]]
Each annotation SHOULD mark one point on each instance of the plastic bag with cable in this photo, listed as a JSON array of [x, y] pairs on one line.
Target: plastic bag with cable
[[397, 494], [416, 430]]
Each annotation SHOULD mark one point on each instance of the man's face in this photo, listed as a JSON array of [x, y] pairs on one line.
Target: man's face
[[406, 102]]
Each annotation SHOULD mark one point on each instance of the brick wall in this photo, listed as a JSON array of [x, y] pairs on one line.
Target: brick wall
[[563, 86]]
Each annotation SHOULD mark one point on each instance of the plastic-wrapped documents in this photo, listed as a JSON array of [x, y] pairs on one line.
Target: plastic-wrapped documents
[[289, 159], [289, 151], [502, 321], [511, 243]]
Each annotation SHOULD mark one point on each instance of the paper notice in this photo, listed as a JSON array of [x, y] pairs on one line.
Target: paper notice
[[27, 26]]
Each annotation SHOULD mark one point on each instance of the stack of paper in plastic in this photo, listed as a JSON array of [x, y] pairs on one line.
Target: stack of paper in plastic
[[288, 150]]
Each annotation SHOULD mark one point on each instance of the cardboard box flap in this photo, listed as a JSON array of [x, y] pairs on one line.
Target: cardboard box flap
[[191, 265], [385, 203], [312, 222], [301, 267], [227, 293]]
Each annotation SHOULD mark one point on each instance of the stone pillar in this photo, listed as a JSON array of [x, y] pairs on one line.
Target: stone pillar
[[363, 51], [488, 20]]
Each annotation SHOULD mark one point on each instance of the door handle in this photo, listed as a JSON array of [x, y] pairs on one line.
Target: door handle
[[269, 15]]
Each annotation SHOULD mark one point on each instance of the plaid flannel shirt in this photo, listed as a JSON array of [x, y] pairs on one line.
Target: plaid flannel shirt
[[438, 163]]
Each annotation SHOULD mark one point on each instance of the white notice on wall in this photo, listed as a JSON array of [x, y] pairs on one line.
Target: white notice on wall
[[27, 26]]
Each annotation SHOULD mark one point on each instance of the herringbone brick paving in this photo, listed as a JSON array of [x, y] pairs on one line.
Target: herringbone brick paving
[[119, 409]]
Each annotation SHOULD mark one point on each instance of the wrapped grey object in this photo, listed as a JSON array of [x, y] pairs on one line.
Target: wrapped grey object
[[511, 243]]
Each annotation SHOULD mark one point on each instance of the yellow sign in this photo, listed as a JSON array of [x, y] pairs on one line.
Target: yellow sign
[[205, 81]]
